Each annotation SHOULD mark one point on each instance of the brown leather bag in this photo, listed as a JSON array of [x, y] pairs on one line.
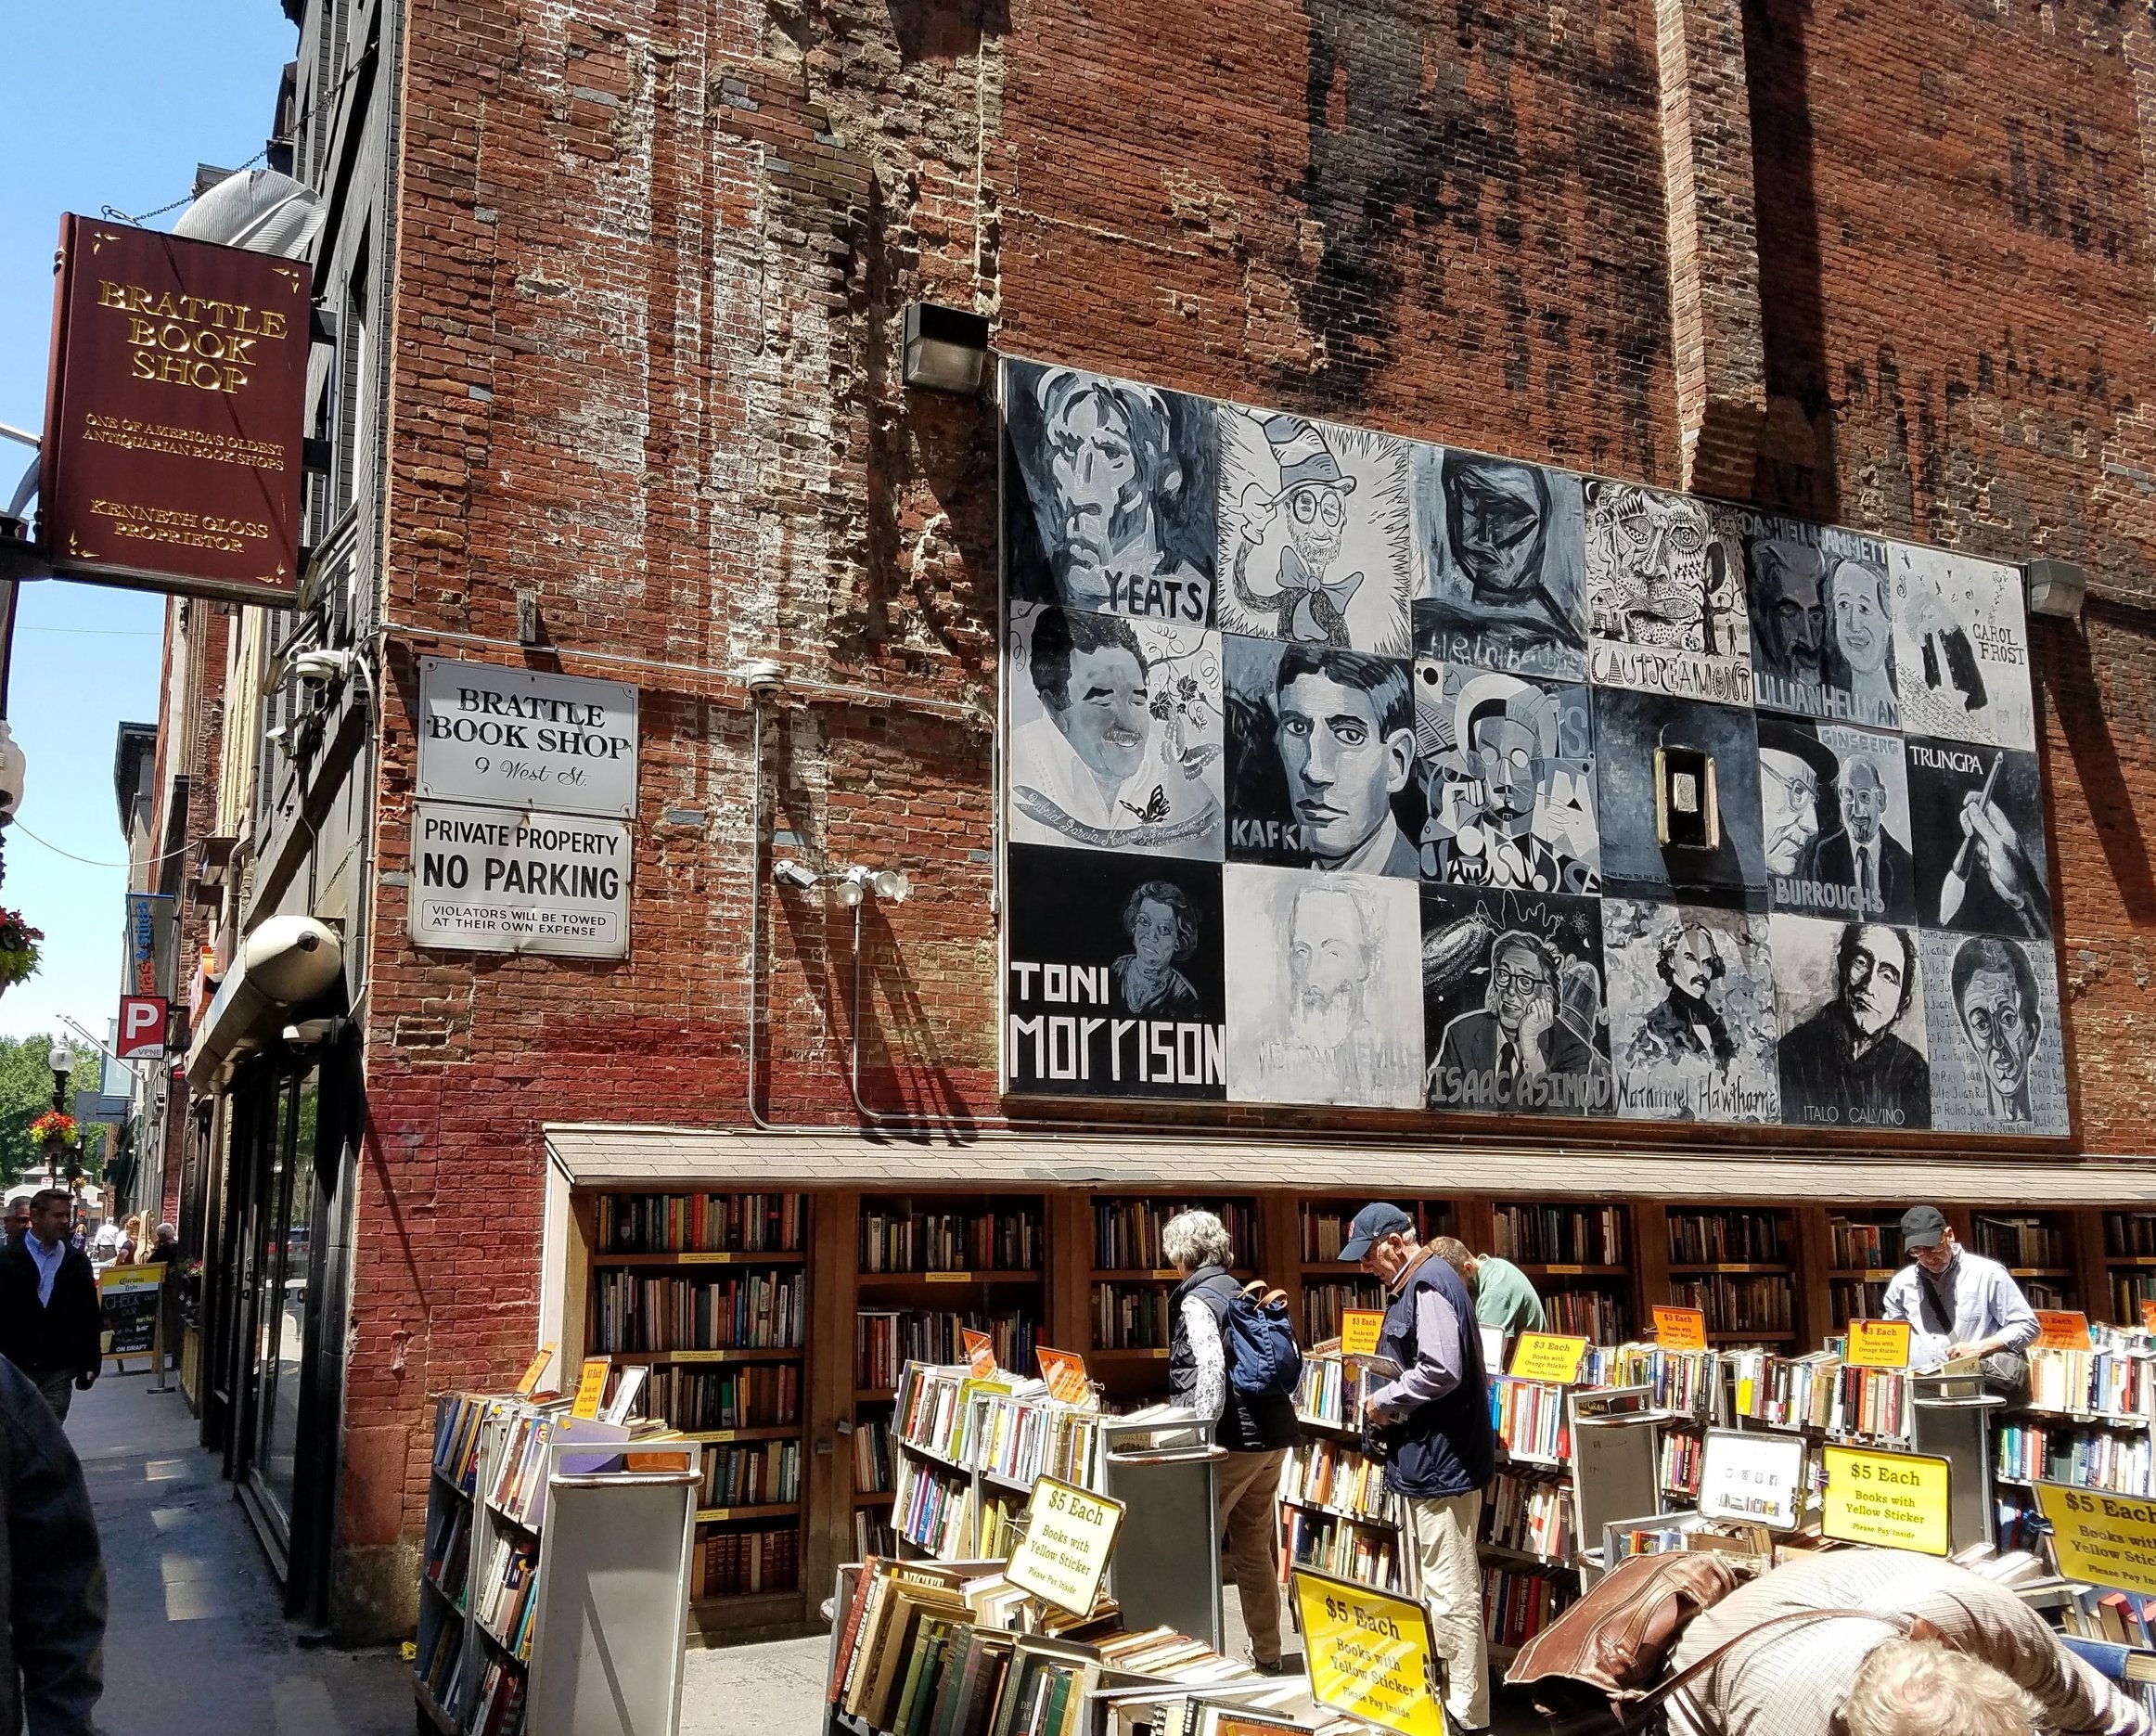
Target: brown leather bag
[[1617, 1638]]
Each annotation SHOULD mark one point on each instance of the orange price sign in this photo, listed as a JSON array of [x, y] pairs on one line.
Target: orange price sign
[[1680, 1329], [2149, 1315], [1879, 1344], [1065, 1372], [980, 1352], [1359, 1330], [2062, 1328], [536, 1368]]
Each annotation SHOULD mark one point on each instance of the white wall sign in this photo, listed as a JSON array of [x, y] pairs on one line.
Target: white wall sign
[[485, 879], [1759, 1478], [515, 737]]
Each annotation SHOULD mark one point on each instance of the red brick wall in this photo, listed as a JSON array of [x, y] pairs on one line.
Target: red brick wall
[[652, 260]]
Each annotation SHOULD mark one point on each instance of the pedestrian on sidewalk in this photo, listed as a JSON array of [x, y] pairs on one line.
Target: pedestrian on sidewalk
[[49, 1325], [52, 1648], [17, 1221]]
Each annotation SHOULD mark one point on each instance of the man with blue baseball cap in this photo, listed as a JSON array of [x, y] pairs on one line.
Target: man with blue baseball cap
[[1433, 1423]]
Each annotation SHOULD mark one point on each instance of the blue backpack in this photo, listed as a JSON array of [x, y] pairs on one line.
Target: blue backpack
[[1263, 1358]]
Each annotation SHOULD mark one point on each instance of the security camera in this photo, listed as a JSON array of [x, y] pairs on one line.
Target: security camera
[[765, 677], [787, 872], [323, 665]]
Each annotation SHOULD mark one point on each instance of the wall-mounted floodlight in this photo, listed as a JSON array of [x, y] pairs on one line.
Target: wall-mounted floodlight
[[891, 885], [946, 348], [2057, 588]]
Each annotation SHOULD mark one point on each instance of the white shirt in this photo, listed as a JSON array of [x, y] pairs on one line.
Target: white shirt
[[1042, 758], [48, 1263]]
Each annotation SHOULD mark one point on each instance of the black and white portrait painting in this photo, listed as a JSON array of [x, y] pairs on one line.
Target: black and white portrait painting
[[1691, 1013], [1325, 988], [1677, 795], [1834, 821], [1851, 1002], [1665, 595], [1116, 733], [1822, 629], [1502, 579], [1514, 1013], [1321, 758], [1111, 495], [1998, 1057], [1978, 816], [1316, 540], [1961, 648], [1114, 986], [1507, 767]]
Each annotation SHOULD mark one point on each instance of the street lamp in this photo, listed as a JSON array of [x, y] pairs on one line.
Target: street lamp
[[62, 1063]]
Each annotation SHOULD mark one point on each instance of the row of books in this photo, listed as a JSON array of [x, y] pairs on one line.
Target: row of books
[[2115, 1461], [1739, 1237], [989, 1240], [1530, 1419], [766, 1474], [457, 1422], [1024, 1436], [872, 1457], [1856, 1299], [449, 1550], [1328, 1474], [745, 1563], [2020, 1241], [1328, 1544], [1332, 1390], [1872, 1401], [437, 1653], [929, 1507], [1531, 1515], [746, 1311], [1599, 1315], [2125, 1618], [498, 1706], [874, 1533], [2130, 1235], [1002, 1522], [1865, 1247], [1679, 1459], [2132, 1291], [1323, 1303], [1519, 1604], [2116, 1382], [1680, 1381], [518, 1489], [760, 1395], [1131, 1316], [1126, 1233], [1560, 1235], [703, 1223], [506, 1594], [929, 1409], [1322, 1230], [885, 1340], [1737, 1304], [1785, 1392]]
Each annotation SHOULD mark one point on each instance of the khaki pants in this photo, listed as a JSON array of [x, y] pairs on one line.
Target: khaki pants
[[1442, 1533], [1249, 1494]]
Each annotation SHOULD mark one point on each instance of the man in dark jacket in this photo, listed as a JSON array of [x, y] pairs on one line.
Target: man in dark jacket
[[1435, 1422], [49, 1325], [52, 1647], [1257, 1429]]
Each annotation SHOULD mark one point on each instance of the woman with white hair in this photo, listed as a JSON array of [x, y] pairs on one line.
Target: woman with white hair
[[1257, 1429]]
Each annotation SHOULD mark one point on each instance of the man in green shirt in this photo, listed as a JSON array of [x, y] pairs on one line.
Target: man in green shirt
[[1503, 1296]]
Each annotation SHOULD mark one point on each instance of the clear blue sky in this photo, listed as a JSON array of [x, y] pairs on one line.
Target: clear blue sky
[[110, 102]]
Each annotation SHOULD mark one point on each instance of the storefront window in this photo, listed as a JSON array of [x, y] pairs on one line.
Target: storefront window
[[281, 1292]]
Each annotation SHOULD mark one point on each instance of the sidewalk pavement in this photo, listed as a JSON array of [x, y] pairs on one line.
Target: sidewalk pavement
[[196, 1645]]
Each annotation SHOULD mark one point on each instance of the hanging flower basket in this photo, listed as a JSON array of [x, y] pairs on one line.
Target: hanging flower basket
[[54, 1129], [19, 952]]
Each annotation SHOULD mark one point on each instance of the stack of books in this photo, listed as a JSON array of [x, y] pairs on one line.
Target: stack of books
[[1530, 1419]]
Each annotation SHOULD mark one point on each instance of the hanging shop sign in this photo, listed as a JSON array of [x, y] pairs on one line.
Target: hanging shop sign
[[517, 738], [142, 1028], [174, 413], [150, 932], [1368, 1654], [486, 880]]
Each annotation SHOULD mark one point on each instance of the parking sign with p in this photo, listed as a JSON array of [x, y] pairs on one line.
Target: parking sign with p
[[142, 1027]]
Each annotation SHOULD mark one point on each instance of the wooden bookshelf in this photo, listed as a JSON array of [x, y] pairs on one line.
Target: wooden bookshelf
[[2038, 1248], [1579, 1256], [2123, 1248], [1128, 1281], [1736, 1264], [1323, 1286]]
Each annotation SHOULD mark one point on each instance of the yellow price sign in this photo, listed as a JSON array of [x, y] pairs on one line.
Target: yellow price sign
[[2107, 1539], [1070, 1535], [1359, 1330], [1895, 1500], [1680, 1329], [1367, 1654], [2060, 1329], [533, 1370], [591, 1386], [1879, 1344], [1547, 1357]]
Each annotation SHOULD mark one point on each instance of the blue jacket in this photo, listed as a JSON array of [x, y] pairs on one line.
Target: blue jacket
[[1446, 1446]]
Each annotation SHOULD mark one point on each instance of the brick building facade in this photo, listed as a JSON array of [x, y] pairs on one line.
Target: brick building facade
[[622, 285]]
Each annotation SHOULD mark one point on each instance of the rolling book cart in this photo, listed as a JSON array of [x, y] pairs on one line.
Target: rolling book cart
[[556, 1591]]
